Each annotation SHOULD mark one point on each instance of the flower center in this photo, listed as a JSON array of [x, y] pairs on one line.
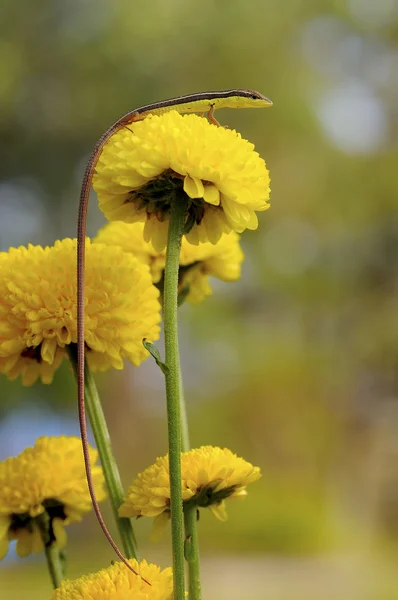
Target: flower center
[[156, 197], [54, 509], [33, 352], [206, 495]]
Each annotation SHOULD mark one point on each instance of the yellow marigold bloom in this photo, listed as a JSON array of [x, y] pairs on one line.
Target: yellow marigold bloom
[[197, 262], [38, 308], [143, 167], [209, 476], [117, 582], [49, 479]]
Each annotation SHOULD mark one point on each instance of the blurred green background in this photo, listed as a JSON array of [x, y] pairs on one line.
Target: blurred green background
[[293, 367]]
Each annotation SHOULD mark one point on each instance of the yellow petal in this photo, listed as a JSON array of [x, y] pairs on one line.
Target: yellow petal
[[48, 349], [37, 544], [3, 548], [24, 542], [193, 187], [219, 511], [4, 525], [60, 533], [211, 195], [159, 526]]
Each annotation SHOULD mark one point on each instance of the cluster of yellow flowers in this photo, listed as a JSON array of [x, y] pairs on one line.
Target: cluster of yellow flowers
[[210, 475], [141, 170], [49, 479]]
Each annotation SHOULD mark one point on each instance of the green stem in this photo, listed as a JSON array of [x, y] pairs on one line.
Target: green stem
[[173, 388], [52, 553], [190, 518], [192, 551], [54, 564], [108, 462]]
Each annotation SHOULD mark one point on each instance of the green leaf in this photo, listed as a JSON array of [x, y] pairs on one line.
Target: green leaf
[[154, 352]]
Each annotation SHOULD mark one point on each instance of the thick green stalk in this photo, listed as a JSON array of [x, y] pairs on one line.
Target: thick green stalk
[[111, 472], [52, 553], [192, 551], [173, 388]]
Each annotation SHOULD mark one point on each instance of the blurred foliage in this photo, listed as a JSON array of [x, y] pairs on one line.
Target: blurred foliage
[[294, 367]]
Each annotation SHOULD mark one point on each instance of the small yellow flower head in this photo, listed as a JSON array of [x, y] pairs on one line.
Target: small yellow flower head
[[144, 167], [209, 476], [197, 262], [117, 582], [38, 308], [48, 480]]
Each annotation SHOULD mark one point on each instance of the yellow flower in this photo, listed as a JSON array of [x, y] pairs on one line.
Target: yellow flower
[[117, 582], [209, 476], [47, 480], [143, 168], [197, 262], [130, 237], [38, 308]]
